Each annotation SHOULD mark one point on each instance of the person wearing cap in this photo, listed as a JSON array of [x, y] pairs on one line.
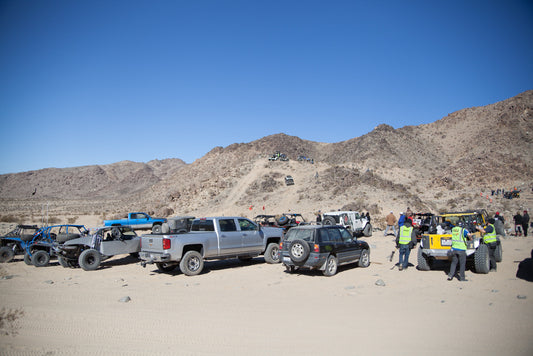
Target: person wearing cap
[[459, 234], [405, 241], [391, 222], [525, 222], [401, 220]]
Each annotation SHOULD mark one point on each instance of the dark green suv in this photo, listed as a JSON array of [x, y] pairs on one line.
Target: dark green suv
[[322, 247]]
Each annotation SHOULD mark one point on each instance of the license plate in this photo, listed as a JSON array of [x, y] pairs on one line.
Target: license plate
[[445, 242]]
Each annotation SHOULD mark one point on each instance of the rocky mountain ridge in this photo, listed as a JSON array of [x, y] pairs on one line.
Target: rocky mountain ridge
[[445, 165]]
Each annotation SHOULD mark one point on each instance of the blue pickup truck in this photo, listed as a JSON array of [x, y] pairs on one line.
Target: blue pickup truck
[[138, 221]]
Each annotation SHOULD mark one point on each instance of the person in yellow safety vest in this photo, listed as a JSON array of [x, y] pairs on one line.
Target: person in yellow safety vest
[[490, 239], [459, 233], [405, 241]]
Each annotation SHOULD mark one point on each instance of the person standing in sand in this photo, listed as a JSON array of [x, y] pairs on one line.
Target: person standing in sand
[[405, 241], [525, 222], [459, 233], [391, 222]]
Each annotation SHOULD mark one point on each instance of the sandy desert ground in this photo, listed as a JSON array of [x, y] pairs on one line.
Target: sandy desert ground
[[236, 308]]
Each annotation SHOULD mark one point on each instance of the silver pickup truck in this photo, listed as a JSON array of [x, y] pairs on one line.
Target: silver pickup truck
[[211, 238]]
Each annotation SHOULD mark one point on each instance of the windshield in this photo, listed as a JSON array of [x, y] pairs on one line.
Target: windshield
[[300, 234]]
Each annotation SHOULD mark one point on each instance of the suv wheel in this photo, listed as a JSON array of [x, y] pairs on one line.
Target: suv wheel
[[367, 231], [299, 251], [331, 266], [422, 261], [364, 260]]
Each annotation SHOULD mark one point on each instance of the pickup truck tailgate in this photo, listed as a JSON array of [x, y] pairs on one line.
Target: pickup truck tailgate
[[152, 243]]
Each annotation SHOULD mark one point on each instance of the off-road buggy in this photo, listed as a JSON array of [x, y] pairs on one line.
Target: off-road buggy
[[266, 220], [289, 180], [288, 220], [16, 241], [41, 248], [356, 223], [89, 251], [437, 241]]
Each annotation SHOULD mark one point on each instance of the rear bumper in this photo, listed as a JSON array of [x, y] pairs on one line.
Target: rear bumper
[[315, 260], [153, 257]]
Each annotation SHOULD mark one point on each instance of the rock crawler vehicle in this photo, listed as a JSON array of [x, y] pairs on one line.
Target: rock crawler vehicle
[[89, 251], [437, 241], [16, 241], [356, 223], [42, 247]]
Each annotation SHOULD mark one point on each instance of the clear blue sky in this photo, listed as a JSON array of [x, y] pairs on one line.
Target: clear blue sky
[[97, 82]]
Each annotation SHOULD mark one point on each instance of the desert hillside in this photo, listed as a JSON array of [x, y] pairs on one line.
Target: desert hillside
[[450, 164]]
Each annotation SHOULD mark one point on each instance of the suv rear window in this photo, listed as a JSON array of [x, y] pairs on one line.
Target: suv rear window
[[300, 234]]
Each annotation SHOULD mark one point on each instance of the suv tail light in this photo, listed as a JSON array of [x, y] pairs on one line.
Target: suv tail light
[[166, 244], [316, 248], [281, 245]]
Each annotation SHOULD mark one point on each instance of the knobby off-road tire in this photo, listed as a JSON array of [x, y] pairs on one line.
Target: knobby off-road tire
[[165, 267], [192, 263], [364, 260], [299, 251], [27, 259], [481, 259], [423, 262], [272, 253], [90, 259], [6, 254], [367, 231], [40, 258], [498, 253], [331, 266]]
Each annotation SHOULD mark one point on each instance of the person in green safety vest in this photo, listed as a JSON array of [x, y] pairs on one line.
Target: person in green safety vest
[[490, 239], [405, 241], [459, 236]]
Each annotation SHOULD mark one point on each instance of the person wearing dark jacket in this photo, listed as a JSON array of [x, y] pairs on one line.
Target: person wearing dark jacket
[[517, 224], [525, 222], [405, 241]]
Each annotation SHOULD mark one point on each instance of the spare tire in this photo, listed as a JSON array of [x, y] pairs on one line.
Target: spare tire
[[367, 231], [282, 220], [329, 220], [299, 251]]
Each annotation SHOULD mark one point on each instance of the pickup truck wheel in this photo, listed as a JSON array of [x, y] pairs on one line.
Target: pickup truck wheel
[[192, 263], [165, 267], [272, 253], [27, 259], [299, 251], [40, 258], [6, 254], [329, 220], [331, 266], [156, 229], [90, 259], [364, 260]]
